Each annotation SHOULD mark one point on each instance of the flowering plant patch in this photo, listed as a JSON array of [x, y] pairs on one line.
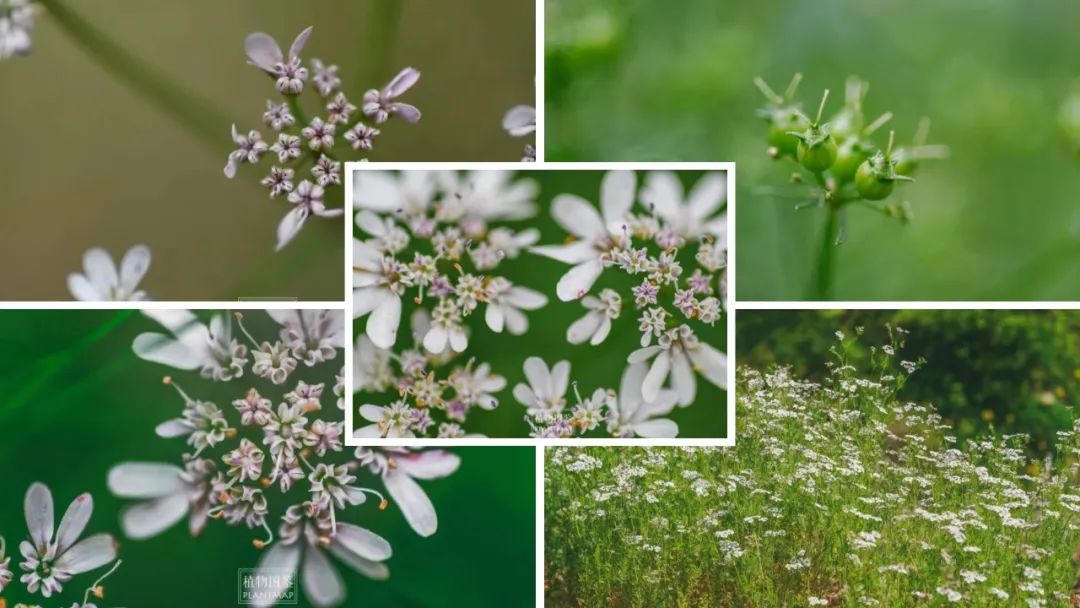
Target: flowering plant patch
[[835, 494]]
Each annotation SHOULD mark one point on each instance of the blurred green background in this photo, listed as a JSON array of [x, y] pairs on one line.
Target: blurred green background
[[640, 80], [88, 162], [1015, 371], [76, 400], [591, 367]]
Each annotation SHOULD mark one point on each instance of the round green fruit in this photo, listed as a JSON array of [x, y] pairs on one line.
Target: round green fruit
[[872, 183]]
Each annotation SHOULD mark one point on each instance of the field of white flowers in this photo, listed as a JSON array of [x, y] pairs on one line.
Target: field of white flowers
[[835, 495]]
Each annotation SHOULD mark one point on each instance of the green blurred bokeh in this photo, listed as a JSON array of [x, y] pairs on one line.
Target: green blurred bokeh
[[88, 162], [640, 80], [76, 401], [1016, 371], [591, 367]]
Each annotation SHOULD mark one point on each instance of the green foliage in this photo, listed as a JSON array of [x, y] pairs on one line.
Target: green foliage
[[1014, 371]]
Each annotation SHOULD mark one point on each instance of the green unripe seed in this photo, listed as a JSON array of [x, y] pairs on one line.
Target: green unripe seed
[[849, 157], [781, 124], [871, 183], [817, 155]]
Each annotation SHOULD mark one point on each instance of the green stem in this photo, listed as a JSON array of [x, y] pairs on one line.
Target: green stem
[[381, 39], [823, 280], [193, 112]]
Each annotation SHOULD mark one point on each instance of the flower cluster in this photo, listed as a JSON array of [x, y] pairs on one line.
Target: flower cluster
[[651, 246], [836, 494], [312, 145], [53, 555], [520, 121], [432, 233], [102, 280], [838, 157], [243, 461], [16, 22]]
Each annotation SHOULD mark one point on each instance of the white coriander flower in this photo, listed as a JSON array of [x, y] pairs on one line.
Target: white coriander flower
[[313, 335], [689, 215], [379, 105], [546, 391], [168, 494], [519, 121], [478, 197], [249, 149], [680, 354], [192, 345], [505, 303], [394, 421], [50, 561], [308, 201], [377, 289], [596, 324], [389, 237], [408, 193], [446, 328], [101, 280], [631, 414], [599, 233], [399, 469], [264, 53], [16, 21], [5, 568]]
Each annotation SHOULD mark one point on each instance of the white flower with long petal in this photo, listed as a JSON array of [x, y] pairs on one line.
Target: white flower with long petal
[[631, 414], [101, 280], [379, 104], [399, 469], [446, 329], [596, 324], [50, 561], [388, 237], [479, 197], [308, 201], [599, 233], [264, 53], [408, 193], [378, 283], [393, 421], [192, 345], [689, 215], [546, 391], [168, 494], [308, 533], [519, 121], [505, 303], [680, 354]]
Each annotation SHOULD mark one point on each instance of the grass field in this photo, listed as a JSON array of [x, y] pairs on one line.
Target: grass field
[[836, 494]]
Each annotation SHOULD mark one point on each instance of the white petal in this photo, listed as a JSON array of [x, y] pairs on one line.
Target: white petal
[[584, 328], [373, 570], [429, 464], [145, 480], [577, 216], [494, 317], [152, 517], [682, 378], [175, 320], [574, 253], [370, 431], [617, 192], [262, 51], [707, 195], [413, 502], [656, 429], [383, 323], [83, 290], [664, 192], [525, 298], [630, 390], [298, 44], [99, 269], [322, 583], [458, 340], [367, 299], [133, 267], [658, 373], [710, 363], [274, 563], [74, 522], [290, 226], [176, 427], [372, 413], [520, 120], [38, 507], [162, 349], [560, 378], [578, 280], [524, 395], [362, 542], [661, 406], [601, 333], [407, 112], [516, 321], [90, 553], [643, 354], [370, 223], [536, 372], [435, 339], [404, 81]]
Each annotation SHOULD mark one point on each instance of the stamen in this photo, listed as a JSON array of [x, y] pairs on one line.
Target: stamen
[[769, 94], [259, 543], [878, 123], [97, 589], [821, 108], [169, 381], [793, 86], [240, 323]]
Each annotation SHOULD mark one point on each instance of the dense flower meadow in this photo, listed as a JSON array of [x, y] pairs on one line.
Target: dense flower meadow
[[836, 494]]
